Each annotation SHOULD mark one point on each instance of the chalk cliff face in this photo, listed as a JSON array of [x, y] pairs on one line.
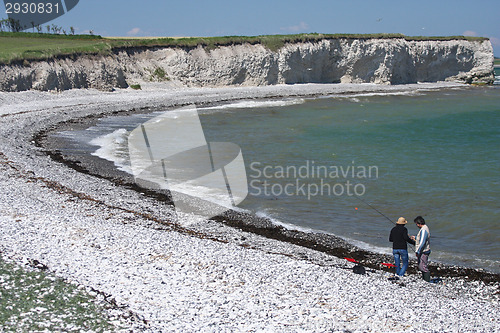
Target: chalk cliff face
[[382, 61]]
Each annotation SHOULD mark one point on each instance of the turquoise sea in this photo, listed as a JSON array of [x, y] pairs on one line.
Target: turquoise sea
[[435, 154], [328, 164]]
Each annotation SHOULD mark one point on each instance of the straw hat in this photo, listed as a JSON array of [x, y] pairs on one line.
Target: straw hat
[[401, 220]]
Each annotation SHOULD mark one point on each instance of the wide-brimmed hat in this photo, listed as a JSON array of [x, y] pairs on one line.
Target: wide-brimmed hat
[[401, 220]]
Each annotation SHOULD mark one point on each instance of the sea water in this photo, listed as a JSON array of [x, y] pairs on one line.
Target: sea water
[[349, 165]]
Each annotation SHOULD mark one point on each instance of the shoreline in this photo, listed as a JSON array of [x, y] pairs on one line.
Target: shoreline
[[94, 204], [315, 239], [248, 222]]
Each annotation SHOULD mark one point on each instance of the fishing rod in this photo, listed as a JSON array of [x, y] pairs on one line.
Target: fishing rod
[[378, 211], [375, 209]]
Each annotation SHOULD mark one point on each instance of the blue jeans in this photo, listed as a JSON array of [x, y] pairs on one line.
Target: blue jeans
[[400, 255]]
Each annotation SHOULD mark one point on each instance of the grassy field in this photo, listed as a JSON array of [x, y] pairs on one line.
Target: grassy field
[[23, 47], [35, 301], [497, 61]]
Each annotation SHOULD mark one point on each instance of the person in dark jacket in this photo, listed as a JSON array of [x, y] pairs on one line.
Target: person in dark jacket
[[399, 238]]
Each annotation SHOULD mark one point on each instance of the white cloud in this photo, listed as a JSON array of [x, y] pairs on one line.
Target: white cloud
[[470, 33], [301, 27], [134, 32]]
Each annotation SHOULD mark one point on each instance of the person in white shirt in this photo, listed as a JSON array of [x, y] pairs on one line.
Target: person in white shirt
[[422, 247]]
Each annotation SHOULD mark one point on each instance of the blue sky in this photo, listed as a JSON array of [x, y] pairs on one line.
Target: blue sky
[[256, 17]]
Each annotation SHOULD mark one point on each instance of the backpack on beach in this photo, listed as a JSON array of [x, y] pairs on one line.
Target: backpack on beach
[[358, 269]]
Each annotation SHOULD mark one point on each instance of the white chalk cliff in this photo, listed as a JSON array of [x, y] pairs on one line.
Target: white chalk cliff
[[382, 61]]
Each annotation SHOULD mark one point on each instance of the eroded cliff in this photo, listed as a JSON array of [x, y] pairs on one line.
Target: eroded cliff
[[346, 60]]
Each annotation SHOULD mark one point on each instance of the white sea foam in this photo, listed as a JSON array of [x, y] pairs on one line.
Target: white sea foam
[[210, 194], [173, 114], [289, 226], [355, 242], [355, 97], [113, 147], [250, 104]]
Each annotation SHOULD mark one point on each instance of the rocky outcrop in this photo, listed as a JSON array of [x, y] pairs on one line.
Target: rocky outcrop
[[382, 61]]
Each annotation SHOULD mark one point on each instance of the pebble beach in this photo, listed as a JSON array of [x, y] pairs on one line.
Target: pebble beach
[[195, 274]]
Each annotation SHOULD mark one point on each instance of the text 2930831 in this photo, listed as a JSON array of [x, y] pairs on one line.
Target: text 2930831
[[32, 8]]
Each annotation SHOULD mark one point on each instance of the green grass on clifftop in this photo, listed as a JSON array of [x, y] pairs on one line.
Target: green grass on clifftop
[[24, 47], [28, 46]]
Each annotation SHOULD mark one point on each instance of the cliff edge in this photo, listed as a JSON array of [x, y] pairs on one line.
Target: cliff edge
[[340, 60]]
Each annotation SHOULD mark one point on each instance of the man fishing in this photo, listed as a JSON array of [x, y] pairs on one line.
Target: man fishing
[[399, 238], [422, 247]]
